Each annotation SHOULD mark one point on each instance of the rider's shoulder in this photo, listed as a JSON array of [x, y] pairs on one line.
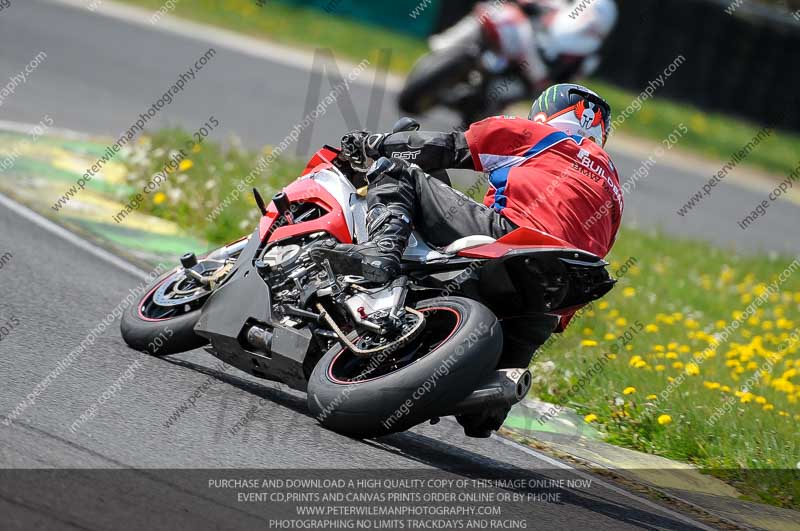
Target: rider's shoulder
[[505, 123]]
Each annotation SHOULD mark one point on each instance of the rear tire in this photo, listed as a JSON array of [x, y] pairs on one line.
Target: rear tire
[[432, 383]]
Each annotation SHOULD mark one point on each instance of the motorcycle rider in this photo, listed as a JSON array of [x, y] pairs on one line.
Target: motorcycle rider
[[549, 172], [560, 41]]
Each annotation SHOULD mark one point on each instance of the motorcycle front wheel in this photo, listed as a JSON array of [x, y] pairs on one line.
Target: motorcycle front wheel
[[434, 73], [392, 391], [162, 321]]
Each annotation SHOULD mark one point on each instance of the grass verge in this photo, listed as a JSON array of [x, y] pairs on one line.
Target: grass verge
[[204, 179], [660, 383], [710, 134]]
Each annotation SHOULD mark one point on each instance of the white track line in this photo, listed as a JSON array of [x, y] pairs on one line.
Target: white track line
[[594, 479], [26, 128], [71, 237]]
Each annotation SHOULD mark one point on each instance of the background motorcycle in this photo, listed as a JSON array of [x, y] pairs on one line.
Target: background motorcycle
[[463, 71], [374, 359], [476, 68]]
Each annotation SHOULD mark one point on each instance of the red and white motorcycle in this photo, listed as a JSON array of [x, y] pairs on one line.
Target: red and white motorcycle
[[374, 359]]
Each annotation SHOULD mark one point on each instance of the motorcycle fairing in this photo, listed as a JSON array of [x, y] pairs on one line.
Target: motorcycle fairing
[[334, 221], [243, 300], [542, 280]]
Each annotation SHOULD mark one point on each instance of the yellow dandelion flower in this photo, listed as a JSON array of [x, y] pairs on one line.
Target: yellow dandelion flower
[[677, 365], [628, 390], [761, 400], [726, 275], [609, 337], [639, 364], [692, 369], [660, 368], [711, 385], [196, 148], [768, 407], [587, 331], [159, 198], [659, 348], [651, 397], [629, 292], [725, 389], [651, 328], [664, 419], [611, 356], [588, 343], [621, 321], [603, 305], [591, 417], [185, 165], [672, 355]]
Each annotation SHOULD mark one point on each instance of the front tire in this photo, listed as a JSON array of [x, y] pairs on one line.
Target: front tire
[[460, 344], [433, 73], [162, 336]]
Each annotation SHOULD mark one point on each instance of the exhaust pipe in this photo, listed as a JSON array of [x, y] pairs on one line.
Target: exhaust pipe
[[504, 388]]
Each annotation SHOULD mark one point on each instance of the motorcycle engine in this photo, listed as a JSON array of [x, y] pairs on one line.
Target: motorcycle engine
[[290, 271]]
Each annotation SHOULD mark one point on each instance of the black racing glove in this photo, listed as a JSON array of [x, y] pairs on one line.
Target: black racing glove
[[386, 166], [358, 147]]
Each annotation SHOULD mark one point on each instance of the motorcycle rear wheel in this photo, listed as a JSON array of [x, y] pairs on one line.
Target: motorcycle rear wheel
[[384, 394]]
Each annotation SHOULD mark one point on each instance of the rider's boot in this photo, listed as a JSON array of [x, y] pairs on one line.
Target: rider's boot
[[378, 259]]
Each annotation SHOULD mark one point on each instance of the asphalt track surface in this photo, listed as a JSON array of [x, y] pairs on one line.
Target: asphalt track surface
[[99, 75]]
